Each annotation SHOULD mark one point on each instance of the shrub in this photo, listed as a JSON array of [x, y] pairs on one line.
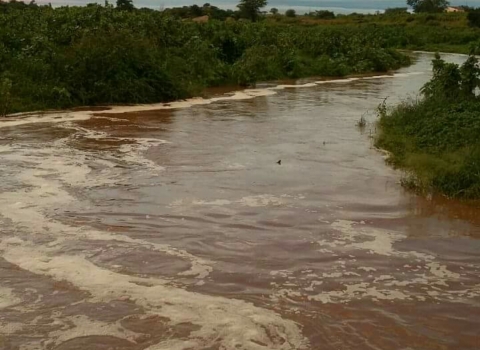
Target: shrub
[[290, 13], [70, 56], [436, 139], [473, 18]]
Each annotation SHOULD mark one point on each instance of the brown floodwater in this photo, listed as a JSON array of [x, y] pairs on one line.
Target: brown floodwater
[[172, 227]]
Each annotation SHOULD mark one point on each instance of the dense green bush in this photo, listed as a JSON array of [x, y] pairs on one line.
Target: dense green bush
[[69, 56], [473, 18], [290, 13], [322, 14], [437, 139], [396, 11]]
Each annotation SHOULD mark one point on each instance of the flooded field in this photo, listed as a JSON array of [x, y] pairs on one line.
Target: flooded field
[[172, 227]]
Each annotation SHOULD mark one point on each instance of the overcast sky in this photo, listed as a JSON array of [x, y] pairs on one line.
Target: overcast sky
[[301, 5]]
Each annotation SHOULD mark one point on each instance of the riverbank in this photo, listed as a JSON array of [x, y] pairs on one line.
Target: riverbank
[[95, 55], [436, 139]]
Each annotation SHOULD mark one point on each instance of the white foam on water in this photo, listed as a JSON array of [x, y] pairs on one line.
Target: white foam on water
[[44, 118], [261, 201], [441, 271], [432, 283], [132, 153], [7, 298], [83, 326], [336, 81], [73, 116], [241, 324], [406, 75], [47, 175], [385, 76], [236, 96], [378, 242], [353, 236], [358, 291], [67, 328], [217, 202], [294, 86]]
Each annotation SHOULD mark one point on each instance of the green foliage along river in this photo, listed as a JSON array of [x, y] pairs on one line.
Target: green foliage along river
[[71, 56], [436, 139]]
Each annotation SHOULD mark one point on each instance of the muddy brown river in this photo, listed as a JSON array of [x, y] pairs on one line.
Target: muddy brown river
[[172, 227]]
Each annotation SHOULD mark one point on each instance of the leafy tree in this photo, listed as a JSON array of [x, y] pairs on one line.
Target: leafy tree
[[451, 81], [125, 5], [251, 8], [431, 6], [196, 11], [474, 18], [290, 13], [470, 73], [322, 14], [274, 11], [396, 10], [445, 83]]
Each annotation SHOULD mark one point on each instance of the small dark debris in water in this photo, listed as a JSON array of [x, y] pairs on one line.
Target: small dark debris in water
[[279, 162], [324, 143]]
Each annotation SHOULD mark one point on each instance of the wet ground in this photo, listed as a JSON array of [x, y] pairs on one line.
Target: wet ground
[[173, 227]]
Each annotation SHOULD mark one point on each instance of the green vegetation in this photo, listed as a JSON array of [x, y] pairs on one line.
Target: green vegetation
[[430, 6], [396, 11], [473, 18], [436, 139], [274, 11], [70, 56], [250, 9], [125, 5], [189, 12], [290, 13], [323, 14]]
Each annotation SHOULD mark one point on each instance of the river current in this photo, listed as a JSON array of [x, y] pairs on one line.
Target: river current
[[173, 227]]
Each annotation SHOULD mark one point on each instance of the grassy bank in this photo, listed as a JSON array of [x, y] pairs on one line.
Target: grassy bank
[[436, 139]]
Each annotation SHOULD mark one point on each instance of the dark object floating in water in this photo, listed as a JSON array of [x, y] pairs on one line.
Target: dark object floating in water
[[279, 162]]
